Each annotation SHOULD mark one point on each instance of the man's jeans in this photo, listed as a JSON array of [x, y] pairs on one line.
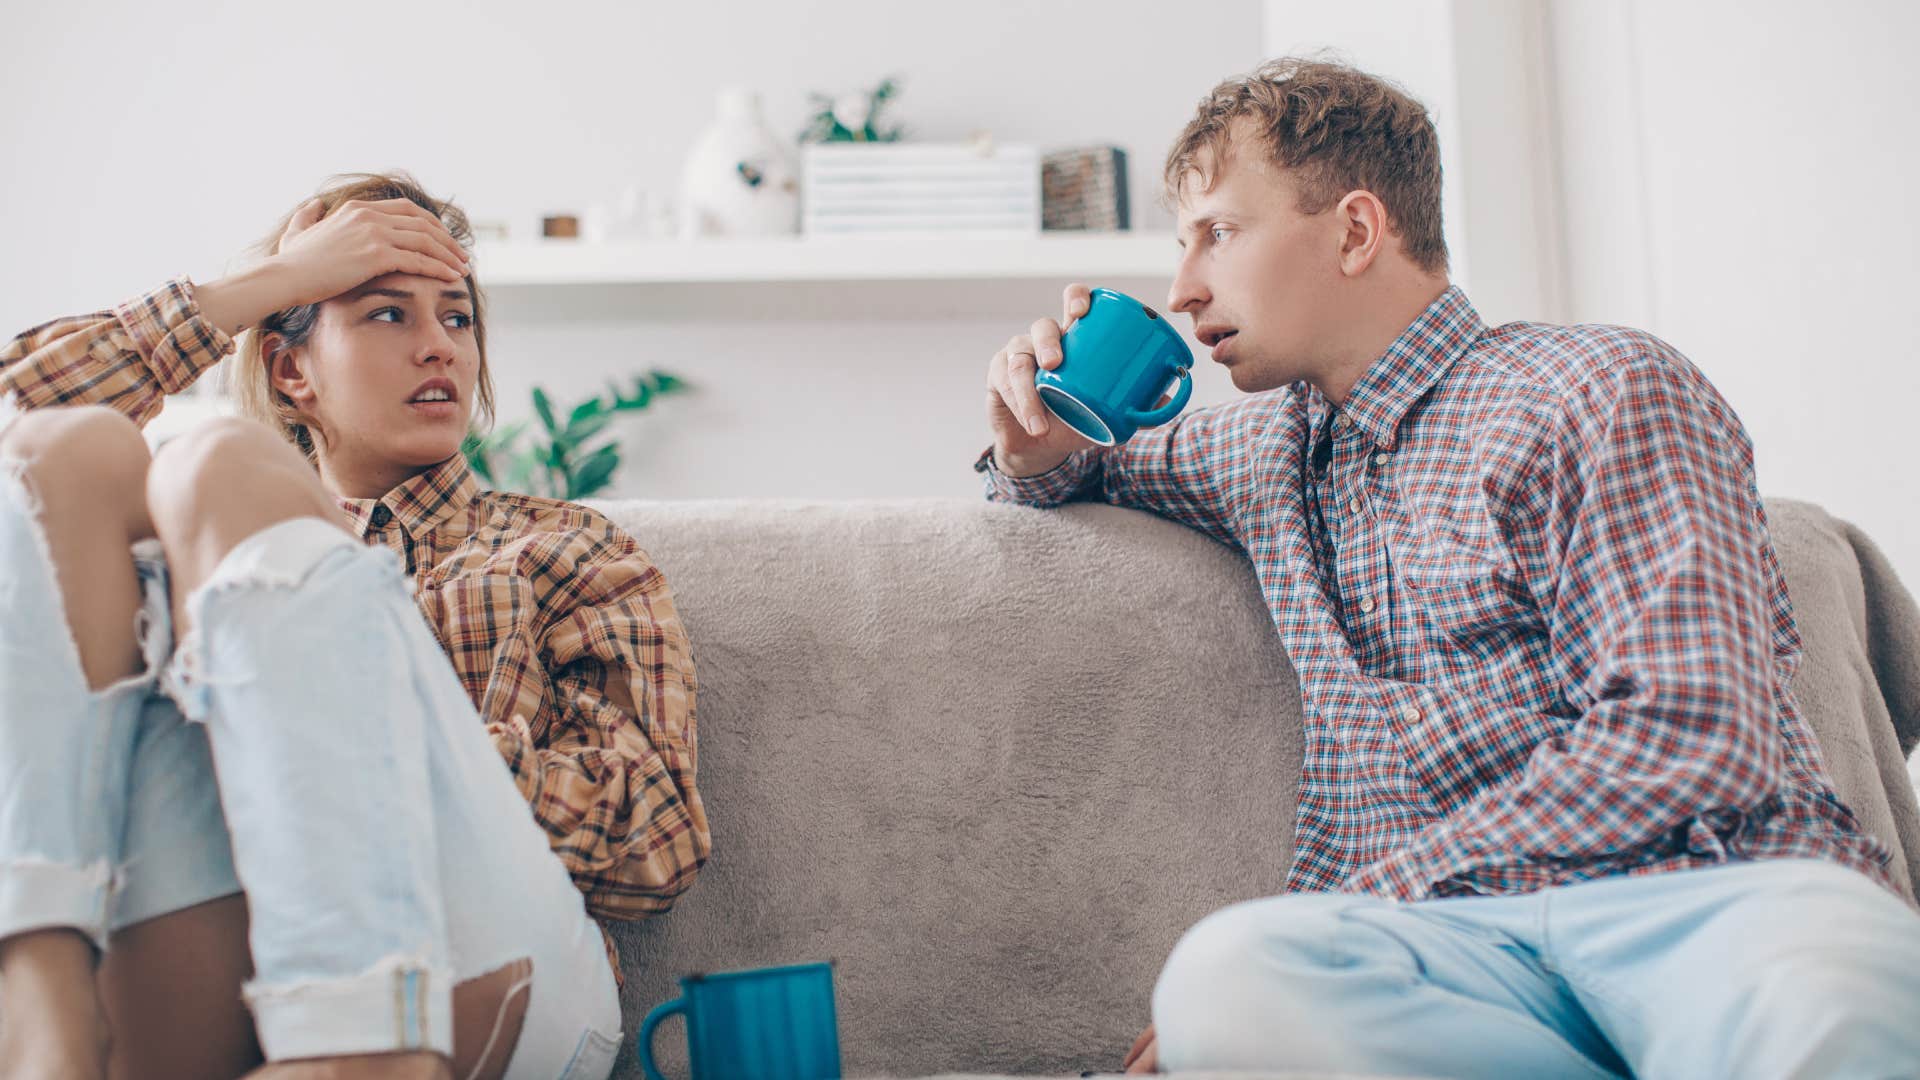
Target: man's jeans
[[1753, 970], [383, 847]]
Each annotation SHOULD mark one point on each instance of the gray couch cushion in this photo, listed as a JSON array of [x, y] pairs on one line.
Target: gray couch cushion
[[993, 761]]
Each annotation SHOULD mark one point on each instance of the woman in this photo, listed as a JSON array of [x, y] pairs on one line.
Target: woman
[[403, 913]]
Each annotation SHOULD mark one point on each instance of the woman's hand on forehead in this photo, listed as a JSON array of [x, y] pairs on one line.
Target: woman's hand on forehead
[[323, 257]]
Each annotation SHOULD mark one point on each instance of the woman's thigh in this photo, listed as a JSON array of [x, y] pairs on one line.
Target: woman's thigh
[[362, 680]]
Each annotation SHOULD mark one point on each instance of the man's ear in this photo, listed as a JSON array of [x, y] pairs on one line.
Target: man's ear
[[1363, 230], [287, 370]]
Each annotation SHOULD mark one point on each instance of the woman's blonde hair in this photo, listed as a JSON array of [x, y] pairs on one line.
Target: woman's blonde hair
[[249, 373]]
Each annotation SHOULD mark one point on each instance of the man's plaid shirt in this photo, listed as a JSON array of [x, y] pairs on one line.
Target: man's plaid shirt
[[1525, 577]]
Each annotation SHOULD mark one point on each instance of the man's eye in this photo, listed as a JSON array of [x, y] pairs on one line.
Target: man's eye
[[382, 314], [1219, 233]]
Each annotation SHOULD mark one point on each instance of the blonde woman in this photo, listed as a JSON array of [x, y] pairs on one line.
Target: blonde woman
[[451, 727]]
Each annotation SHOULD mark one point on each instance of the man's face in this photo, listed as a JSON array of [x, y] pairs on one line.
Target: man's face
[[1259, 278]]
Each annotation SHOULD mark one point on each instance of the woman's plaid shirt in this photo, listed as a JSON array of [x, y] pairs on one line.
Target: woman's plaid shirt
[[1525, 577], [562, 630]]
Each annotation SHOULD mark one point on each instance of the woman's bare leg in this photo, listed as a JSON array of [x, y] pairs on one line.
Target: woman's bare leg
[[87, 469], [171, 987], [172, 991]]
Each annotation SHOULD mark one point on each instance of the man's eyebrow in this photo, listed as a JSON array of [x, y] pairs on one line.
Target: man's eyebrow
[[1196, 226]]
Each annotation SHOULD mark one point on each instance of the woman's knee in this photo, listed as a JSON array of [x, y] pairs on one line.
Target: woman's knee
[[229, 467], [85, 450]]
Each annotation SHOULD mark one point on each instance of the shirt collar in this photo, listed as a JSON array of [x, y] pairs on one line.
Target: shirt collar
[[1411, 366], [419, 504]]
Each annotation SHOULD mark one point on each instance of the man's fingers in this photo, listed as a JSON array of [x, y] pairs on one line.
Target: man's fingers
[[1045, 334], [1026, 400], [1074, 303]]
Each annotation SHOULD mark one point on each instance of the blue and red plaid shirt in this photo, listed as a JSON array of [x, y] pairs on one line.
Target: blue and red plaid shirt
[[1525, 577]]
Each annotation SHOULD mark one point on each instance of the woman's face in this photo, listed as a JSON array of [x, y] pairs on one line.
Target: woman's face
[[389, 374]]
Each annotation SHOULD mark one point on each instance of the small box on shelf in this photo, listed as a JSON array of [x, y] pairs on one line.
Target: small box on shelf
[[858, 188]]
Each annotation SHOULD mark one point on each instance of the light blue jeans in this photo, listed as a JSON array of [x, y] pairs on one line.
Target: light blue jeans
[[383, 847], [1791, 968]]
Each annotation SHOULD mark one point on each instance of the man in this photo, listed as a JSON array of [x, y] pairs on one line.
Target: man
[[1559, 815]]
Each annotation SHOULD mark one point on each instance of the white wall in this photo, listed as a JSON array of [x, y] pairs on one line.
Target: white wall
[[1739, 181], [149, 140]]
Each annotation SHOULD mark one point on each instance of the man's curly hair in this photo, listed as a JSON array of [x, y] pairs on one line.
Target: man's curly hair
[[1334, 129]]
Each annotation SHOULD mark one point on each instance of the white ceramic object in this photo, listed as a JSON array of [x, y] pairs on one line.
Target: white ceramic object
[[741, 179]]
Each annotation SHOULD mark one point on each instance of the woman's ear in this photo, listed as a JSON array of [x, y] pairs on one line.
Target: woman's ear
[[287, 371]]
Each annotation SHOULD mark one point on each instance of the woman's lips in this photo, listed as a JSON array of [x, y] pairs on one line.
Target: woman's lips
[[433, 410]]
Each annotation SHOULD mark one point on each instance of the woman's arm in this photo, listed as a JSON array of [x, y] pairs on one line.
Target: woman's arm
[[131, 357], [602, 741]]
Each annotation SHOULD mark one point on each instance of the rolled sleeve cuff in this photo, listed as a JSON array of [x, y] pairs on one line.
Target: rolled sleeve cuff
[[177, 341], [1052, 487]]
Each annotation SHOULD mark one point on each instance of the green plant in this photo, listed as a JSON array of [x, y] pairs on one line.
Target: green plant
[[557, 461], [853, 116]]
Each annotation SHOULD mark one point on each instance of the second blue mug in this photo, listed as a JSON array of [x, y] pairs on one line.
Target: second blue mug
[[765, 1024], [1116, 362]]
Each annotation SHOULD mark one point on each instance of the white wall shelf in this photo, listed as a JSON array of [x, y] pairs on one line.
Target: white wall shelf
[[929, 257]]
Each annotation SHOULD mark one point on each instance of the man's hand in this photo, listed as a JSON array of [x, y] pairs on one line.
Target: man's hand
[[1027, 440], [1145, 1055], [320, 258]]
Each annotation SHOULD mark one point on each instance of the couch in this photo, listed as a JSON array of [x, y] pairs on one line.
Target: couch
[[992, 761]]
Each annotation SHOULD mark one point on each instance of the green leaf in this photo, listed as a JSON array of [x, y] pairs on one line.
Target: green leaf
[[595, 472], [579, 431], [520, 475], [666, 382], [545, 409], [477, 461], [590, 407], [507, 436]]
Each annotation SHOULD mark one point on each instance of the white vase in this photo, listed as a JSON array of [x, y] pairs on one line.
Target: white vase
[[740, 179]]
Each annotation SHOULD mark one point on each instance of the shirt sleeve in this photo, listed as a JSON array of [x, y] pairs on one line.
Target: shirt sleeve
[[607, 760], [1660, 616], [1192, 470], [127, 359]]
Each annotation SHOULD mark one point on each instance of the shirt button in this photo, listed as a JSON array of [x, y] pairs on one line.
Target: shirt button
[[1411, 714], [1367, 605], [1382, 459], [1340, 421], [380, 516], [1353, 507]]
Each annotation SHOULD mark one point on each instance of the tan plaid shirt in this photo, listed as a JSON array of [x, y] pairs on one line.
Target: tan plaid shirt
[[562, 630]]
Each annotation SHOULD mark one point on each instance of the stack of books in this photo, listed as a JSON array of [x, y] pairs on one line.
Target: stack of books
[[919, 187], [1084, 189]]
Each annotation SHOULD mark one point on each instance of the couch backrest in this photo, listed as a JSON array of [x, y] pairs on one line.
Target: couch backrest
[[993, 761]]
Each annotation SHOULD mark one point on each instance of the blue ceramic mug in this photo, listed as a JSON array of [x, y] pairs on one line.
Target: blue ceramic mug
[[769, 1023], [1116, 362]]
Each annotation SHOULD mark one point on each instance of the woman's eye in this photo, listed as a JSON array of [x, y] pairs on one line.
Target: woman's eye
[[382, 314], [1219, 233], [460, 320]]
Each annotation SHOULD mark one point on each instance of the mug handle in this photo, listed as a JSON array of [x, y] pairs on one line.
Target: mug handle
[[1168, 411], [643, 1046]]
